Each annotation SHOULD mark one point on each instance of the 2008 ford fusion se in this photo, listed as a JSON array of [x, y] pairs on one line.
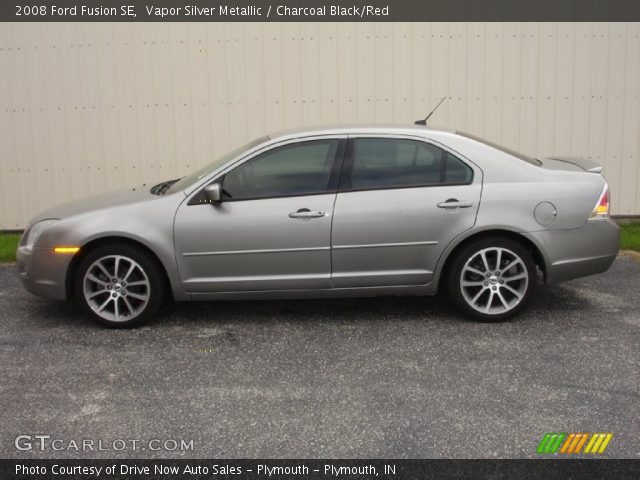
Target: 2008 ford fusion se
[[331, 212]]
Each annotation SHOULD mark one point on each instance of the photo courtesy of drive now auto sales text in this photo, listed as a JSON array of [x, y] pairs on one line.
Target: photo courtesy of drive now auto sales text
[[260, 470], [100, 471]]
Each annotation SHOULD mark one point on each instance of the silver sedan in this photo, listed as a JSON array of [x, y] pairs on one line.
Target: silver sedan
[[331, 212]]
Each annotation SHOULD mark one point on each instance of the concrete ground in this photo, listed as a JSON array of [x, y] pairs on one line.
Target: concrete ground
[[385, 377]]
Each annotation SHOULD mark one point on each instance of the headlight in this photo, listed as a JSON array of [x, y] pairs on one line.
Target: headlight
[[31, 236]]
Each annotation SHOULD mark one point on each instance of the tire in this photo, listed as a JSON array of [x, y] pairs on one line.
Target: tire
[[119, 285], [484, 292]]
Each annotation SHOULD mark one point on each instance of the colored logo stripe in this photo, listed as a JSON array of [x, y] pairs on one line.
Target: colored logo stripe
[[598, 443], [573, 442], [550, 442]]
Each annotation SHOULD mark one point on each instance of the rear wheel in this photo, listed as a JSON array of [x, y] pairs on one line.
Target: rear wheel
[[119, 285], [491, 279]]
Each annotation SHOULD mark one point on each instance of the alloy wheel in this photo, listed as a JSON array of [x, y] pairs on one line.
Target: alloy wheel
[[494, 280], [116, 288]]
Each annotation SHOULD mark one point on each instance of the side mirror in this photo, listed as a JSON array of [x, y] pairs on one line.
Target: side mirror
[[213, 193]]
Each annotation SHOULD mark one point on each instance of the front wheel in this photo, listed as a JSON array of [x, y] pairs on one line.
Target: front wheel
[[119, 285], [491, 279]]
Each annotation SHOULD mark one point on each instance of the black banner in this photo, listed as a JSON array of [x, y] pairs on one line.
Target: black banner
[[319, 10], [320, 469]]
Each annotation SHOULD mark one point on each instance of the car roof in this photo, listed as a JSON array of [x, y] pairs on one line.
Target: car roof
[[359, 128]]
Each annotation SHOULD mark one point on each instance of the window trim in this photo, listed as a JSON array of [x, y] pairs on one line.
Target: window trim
[[332, 183], [347, 169]]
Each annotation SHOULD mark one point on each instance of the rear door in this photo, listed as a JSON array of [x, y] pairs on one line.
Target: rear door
[[401, 200]]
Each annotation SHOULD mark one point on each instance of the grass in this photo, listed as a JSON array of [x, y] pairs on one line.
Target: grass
[[630, 237], [629, 240], [8, 245]]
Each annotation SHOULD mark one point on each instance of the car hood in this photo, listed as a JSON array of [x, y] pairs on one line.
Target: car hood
[[126, 196]]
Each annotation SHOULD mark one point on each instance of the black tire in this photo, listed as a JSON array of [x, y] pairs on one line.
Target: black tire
[[496, 298], [94, 289]]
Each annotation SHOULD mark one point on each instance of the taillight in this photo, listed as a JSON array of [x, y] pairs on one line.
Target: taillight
[[602, 207]]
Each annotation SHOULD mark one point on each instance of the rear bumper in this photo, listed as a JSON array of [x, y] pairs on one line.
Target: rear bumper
[[579, 267], [42, 272], [580, 252]]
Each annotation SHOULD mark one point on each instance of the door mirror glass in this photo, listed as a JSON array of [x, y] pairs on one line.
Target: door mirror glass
[[213, 193]]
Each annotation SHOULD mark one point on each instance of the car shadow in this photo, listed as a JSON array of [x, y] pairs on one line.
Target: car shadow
[[439, 308], [547, 300], [311, 310]]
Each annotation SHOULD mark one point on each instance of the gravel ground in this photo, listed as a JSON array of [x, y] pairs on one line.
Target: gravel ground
[[385, 377]]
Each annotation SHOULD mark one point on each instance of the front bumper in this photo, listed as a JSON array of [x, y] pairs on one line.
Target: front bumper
[[43, 272], [580, 252]]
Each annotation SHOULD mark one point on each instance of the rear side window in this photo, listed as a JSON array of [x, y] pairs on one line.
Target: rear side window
[[456, 171], [395, 162], [297, 169]]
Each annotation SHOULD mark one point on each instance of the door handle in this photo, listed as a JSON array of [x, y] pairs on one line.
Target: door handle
[[453, 203], [305, 214]]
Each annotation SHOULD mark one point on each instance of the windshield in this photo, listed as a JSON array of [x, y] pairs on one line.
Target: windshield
[[186, 182], [513, 153]]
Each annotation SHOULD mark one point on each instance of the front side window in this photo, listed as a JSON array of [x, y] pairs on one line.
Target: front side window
[[296, 169], [396, 162], [186, 182]]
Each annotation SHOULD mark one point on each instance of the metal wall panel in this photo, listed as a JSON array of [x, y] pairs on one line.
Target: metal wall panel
[[86, 108]]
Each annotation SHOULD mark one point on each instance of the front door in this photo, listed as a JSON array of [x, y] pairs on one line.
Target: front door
[[272, 230], [400, 203]]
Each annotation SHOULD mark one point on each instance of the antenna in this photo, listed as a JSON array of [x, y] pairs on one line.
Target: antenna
[[424, 122]]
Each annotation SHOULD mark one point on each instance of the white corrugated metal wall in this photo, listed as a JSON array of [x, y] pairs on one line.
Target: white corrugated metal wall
[[89, 107]]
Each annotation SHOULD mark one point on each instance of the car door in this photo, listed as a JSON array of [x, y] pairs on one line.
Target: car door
[[271, 231], [401, 200]]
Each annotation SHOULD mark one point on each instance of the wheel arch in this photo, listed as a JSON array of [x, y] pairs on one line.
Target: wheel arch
[[108, 240], [452, 250]]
